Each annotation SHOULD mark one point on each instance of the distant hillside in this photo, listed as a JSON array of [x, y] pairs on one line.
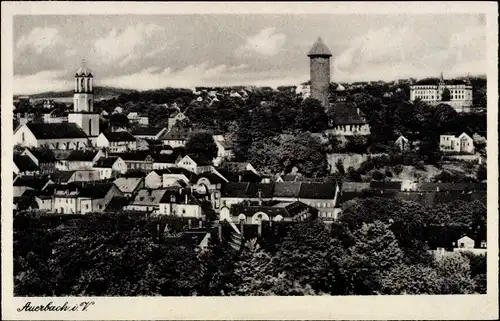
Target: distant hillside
[[99, 92]]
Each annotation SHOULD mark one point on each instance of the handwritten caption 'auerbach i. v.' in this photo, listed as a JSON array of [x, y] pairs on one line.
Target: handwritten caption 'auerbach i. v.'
[[51, 307]]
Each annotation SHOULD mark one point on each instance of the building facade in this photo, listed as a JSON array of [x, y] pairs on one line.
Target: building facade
[[431, 91]]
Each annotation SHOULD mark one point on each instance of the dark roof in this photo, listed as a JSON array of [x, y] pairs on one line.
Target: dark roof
[[319, 49], [56, 130], [318, 190], [266, 190], [345, 113], [34, 182], [147, 131], [177, 134], [43, 155], [79, 155], [106, 162], [166, 158], [212, 178], [132, 156], [180, 170], [25, 163], [95, 190], [117, 203], [235, 166], [286, 189], [385, 185], [61, 176], [233, 189], [200, 160], [121, 136]]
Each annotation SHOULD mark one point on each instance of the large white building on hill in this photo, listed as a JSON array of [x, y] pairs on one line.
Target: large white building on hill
[[431, 91]]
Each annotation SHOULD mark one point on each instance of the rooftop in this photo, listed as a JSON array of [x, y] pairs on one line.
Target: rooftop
[[106, 162], [319, 49], [121, 136], [56, 130], [345, 113]]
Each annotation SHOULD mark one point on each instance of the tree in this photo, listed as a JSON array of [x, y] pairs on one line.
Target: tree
[[374, 252], [410, 279], [481, 173], [454, 275], [118, 120], [202, 143], [311, 116], [446, 95], [311, 256]]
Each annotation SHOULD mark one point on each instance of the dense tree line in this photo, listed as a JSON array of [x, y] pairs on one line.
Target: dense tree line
[[378, 246]]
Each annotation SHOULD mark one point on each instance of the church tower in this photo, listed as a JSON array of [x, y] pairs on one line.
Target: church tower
[[319, 56], [83, 103]]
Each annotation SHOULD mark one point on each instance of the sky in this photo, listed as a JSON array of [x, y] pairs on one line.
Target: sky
[[156, 51]]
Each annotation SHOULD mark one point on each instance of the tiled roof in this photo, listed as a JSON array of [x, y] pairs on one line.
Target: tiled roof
[[428, 82], [121, 136], [148, 196], [34, 182], [319, 49], [43, 155], [286, 189], [61, 176], [233, 189], [200, 160], [56, 130], [127, 184], [95, 190], [345, 113], [266, 190], [166, 158], [106, 162], [25, 163], [318, 190]]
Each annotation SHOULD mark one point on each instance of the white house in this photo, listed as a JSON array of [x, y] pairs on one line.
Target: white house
[[346, 119], [53, 136], [224, 151], [402, 143], [180, 204], [174, 119], [451, 142], [108, 166], [117, 142], [195, 164], [137, 118], [176, 137]]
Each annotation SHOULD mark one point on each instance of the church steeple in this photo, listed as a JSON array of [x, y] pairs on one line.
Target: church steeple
[[441, 78], [83, 98]]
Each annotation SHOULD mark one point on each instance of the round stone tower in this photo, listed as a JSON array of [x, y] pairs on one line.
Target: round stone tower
[[319, 56]]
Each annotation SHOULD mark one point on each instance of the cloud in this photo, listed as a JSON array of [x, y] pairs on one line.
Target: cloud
[[266, 42], [404, 51], [47, 80], [39, 39], [126, 46]]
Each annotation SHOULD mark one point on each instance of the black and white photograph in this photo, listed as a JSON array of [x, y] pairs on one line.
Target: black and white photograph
[[246, 154]]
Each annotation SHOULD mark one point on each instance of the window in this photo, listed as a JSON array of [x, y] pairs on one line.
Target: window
[[87, 206], [66, 201], [22, 137]]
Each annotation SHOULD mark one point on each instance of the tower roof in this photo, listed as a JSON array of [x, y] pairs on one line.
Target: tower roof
[[319, 49], [83, 70]]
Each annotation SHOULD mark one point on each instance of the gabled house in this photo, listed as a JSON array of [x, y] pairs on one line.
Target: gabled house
[[165, 160], [138, 160], [181, 204], [43, 158], [117, 142], [138, 118], [224, 152], [176, 176], [347, 120], [81, 160], [83, 198], [238, 167], [402, 143], [281, 212], [172, 120], [147, 200], [176, 137], [53, 136], [109, 167], [195, 164], [458, 143], [81, 175], [23, 183]]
